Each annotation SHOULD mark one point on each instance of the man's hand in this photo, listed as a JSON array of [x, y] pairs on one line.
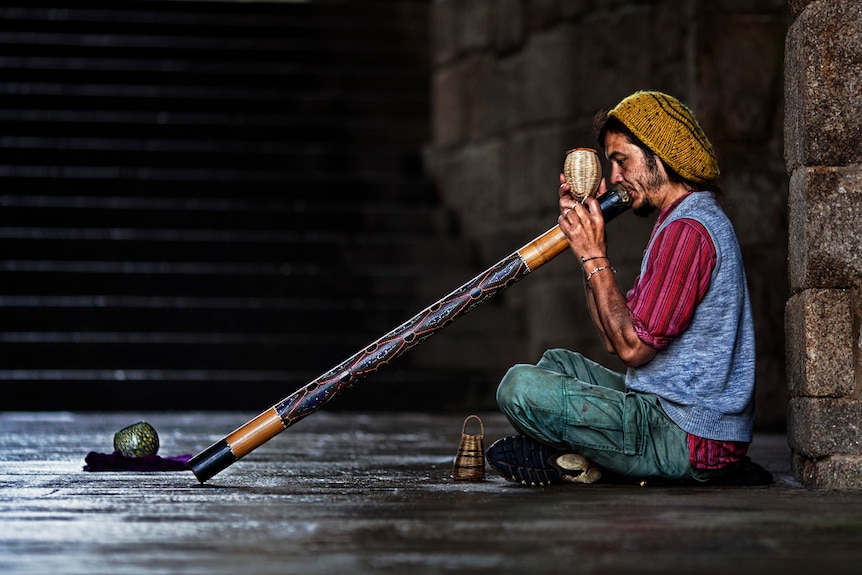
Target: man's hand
[[583, 223]]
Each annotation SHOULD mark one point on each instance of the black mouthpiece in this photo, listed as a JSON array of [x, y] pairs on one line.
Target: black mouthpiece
[[614, 202]]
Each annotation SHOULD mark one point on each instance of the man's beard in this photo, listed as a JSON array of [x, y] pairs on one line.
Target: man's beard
[[654, 180]]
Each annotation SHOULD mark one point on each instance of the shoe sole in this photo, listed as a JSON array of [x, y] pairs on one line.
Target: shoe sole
[[522, 460]]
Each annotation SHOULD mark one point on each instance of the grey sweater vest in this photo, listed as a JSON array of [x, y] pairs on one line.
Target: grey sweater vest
[[705, 378]]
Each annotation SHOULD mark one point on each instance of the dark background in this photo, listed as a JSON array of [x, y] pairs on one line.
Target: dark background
[[206, 205]]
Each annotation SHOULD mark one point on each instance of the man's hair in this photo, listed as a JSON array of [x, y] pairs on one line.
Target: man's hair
[[604, 125]]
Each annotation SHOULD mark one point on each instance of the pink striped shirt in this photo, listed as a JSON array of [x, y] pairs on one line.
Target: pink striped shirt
[[662, 303]]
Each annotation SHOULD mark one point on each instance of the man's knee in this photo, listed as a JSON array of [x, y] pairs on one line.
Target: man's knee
[[514, 386]]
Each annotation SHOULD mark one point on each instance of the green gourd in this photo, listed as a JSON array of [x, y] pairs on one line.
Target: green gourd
[[137, 440]]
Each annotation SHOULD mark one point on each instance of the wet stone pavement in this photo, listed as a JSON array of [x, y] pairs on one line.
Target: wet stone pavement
[[372, 493]]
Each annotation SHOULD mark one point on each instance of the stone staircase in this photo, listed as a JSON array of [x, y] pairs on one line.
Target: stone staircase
[[206, 205]]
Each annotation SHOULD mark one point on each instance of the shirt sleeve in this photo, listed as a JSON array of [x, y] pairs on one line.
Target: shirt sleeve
[[675, 280]]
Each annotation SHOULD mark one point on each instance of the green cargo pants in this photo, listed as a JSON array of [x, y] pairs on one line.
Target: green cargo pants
[[572, 403]]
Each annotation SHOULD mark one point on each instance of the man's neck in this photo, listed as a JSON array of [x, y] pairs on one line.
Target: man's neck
[[670, 193]]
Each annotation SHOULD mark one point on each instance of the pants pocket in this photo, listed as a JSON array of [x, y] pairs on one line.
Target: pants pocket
[[603, 419]]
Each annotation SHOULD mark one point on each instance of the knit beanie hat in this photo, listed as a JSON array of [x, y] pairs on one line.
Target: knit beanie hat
[[669, 129]]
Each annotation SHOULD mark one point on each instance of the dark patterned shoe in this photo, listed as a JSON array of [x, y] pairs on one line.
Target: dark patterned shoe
[[523, 460]]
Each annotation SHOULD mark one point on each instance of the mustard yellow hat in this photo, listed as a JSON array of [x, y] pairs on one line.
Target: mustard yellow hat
[[670, 130]]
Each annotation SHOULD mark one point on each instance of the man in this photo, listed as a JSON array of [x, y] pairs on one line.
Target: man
[[684, 409]]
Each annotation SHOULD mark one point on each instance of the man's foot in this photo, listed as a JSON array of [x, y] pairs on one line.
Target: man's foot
[[523, 460]]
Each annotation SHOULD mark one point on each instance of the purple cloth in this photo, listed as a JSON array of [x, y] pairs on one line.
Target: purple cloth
[[116, 461]]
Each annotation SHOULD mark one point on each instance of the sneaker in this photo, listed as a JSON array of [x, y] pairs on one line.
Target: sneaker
[[521, 459]]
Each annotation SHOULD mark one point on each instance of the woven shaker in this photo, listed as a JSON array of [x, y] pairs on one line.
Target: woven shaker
[[583, 172], [470, 460]]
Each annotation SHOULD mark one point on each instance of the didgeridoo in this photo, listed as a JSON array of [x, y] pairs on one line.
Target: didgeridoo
[[432, 319]]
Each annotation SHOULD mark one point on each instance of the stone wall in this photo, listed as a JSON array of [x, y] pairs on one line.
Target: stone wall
[[517, 82], [823, 150]]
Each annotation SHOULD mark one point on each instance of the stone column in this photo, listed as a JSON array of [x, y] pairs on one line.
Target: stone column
[[823, 152]]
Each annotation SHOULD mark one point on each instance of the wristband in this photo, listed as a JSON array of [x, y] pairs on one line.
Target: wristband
[[585, 260]]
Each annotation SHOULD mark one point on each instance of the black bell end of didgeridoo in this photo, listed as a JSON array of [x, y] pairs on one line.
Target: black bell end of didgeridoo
[[212, 460]]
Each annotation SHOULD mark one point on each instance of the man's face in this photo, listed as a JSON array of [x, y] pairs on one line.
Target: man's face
[[630, 169]]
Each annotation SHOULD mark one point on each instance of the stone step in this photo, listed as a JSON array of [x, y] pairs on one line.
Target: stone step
[[204, 197], [247, 213], [393, 387]]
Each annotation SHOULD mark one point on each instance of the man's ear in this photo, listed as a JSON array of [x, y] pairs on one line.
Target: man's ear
[[660, 166]]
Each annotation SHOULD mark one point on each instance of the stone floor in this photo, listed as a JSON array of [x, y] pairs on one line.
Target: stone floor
[[372, 493]]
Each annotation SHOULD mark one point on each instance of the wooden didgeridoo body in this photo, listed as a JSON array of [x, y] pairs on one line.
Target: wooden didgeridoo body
[[432, 319]]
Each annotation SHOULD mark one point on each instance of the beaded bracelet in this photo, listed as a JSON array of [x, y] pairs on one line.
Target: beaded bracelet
[[598, 269]]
